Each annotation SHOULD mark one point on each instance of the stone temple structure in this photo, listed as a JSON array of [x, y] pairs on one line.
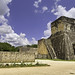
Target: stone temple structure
[[61, 43]]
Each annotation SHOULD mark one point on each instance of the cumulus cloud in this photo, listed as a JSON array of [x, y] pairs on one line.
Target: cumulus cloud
[[37, 11], [7, 34], [44, 8], [22, 35], [56, 2], [47, 32], [34, 41], [5, 29], [55, 5], [16, 40], [61, 11], [36, 3], [4, 9], [3, 19]]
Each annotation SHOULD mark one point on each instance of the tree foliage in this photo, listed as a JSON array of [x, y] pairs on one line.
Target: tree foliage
[[32, 46], [7, 47]]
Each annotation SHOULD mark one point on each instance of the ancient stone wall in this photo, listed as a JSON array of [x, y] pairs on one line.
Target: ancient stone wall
[[57, 26], [16, 57], [29, 50], [69, 42], [58, 43], [42, 49], [50, 49]]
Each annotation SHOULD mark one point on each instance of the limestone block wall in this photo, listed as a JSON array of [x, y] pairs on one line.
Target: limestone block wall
[[29, 50], [63, 24], [41, 47], [16, 57], [57, 26]]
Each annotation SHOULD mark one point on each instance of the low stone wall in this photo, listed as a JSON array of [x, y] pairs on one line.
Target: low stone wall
[[42, 56], [16, 57], [29, 50]]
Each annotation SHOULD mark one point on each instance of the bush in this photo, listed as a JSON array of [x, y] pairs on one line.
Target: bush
[[32, 46], [8, 47]]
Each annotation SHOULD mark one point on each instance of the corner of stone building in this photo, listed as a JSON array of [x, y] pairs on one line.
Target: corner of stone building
[[42, 50]]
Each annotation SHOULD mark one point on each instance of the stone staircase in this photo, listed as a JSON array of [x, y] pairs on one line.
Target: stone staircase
[[50, 49]]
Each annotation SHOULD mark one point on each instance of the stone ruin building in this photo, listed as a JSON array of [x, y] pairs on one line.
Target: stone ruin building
[[61, 43]]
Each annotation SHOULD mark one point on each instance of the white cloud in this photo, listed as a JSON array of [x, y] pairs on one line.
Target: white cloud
[[7, 1], [61, 11], [55, 5], [5, 29], [16, 40], [36, 3], [44, 8], [3, 19], [47, 32], [53, 10], [4, 9], [56, 2], [7, 34], [22, 35], [33, 41]]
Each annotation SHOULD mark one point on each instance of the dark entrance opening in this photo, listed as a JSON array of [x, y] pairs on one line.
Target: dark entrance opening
[[74, 48]]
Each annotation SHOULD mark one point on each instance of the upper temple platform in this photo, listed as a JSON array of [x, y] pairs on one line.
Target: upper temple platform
[[63, 24]]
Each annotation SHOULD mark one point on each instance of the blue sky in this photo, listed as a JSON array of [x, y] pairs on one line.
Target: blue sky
[[24, 22]]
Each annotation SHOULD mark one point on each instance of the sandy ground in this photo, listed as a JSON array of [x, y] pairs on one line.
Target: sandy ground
[[56, 68]]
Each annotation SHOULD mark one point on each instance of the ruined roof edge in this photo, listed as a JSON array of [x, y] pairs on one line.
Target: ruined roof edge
[[62, 17]]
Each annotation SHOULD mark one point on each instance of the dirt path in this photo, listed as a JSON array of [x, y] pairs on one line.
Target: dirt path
[[56, 68]]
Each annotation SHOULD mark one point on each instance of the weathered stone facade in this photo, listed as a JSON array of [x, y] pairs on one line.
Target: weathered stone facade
[[29, 50], [16, 57], [42, 52], [61, 44], [25, 54]]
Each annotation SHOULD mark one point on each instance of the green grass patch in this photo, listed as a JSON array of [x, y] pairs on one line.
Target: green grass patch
[[22, 65]]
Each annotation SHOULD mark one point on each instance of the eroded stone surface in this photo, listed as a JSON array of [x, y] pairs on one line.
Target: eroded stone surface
[[61, 44]]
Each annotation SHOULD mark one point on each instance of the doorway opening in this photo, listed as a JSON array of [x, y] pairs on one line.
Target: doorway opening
[[74, 48]]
